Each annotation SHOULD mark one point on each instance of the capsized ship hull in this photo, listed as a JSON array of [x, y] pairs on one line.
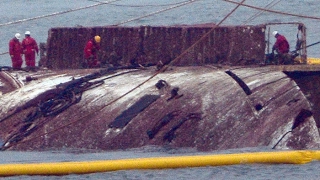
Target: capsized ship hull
[[201, 107]]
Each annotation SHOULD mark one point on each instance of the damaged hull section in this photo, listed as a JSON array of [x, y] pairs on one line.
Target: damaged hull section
[[205, 108]]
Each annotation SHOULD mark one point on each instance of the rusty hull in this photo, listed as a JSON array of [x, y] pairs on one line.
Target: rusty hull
[[200, 107], [231, 45]]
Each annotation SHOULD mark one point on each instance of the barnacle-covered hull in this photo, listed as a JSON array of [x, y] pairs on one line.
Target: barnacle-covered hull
[[201, 107]]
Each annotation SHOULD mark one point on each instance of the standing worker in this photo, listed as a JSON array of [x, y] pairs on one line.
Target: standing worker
[[30, 48], [301, 45], [15, 51], [91, 53], [281, 46]]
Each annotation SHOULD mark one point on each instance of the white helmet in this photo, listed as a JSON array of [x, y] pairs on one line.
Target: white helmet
[[17, 35], [275, 33], [27, 33]]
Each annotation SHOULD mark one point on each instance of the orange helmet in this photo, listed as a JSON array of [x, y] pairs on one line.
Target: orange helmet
[[97, 39]]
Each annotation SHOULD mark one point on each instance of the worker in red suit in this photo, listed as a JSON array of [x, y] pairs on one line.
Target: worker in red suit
[[91, 53], [15, 51], [30, 48], [282, 47]]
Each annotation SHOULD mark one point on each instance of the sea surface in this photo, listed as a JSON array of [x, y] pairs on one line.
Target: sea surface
[[38, 16]]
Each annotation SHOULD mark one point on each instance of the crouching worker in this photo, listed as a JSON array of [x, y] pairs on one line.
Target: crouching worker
[[91, 53], [281, 46]]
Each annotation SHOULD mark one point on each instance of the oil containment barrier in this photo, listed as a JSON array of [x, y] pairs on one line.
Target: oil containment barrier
[[311, 60], [83, 167]]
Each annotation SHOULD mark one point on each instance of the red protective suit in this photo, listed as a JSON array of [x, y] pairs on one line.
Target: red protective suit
[[30, 48], [281, 45], [90, 53], [15, 51]]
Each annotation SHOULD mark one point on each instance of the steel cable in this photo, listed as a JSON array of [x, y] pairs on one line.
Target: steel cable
[[157, 12], [146, 5], [57, 13], [270, 5], [273, 11]]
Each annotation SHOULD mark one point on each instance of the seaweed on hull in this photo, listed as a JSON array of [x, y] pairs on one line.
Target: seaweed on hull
[[51, 103]]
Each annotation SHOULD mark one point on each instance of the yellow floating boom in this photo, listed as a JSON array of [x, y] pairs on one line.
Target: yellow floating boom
[[83, 167], [311, 60]]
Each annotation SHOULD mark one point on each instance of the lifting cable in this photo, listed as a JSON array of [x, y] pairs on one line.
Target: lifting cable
[[268, 6], [147, 5], [157, 12], [58, 13], [139, 85], [273, 11], [204, 36]]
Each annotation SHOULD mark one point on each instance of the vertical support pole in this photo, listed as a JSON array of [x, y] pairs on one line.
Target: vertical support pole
[[304, 44], [268, 42]]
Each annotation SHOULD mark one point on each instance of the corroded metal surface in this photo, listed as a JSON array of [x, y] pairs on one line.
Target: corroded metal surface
[[233, 45], [204, 107]]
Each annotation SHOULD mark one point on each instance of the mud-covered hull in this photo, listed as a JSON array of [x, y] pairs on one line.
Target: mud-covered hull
[[204, 107]]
